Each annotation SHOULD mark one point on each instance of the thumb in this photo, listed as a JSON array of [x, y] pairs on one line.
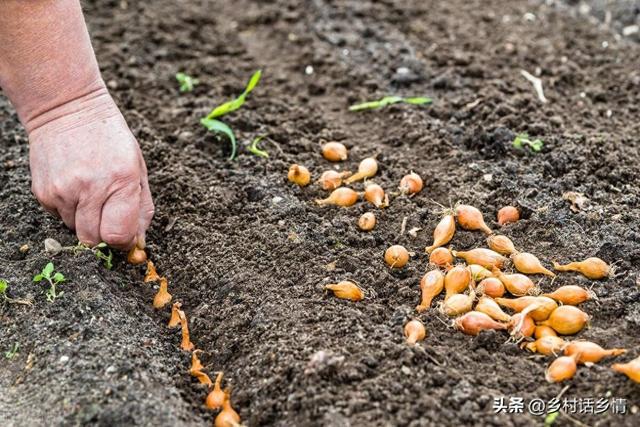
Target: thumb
[[119, 222], [147, 208]]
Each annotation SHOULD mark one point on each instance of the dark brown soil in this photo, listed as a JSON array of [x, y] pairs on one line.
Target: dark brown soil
[[248, 254]]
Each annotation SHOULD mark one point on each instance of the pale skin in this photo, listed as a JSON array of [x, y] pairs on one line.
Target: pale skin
[[86, 165]]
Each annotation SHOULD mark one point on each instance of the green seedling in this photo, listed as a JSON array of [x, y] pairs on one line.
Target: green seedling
[[3, 288], [388, 100], [254, 149], [105, 256], [186, 82], [523, 139], [551, 418], [54, 278], [12, 352], [216, 126]]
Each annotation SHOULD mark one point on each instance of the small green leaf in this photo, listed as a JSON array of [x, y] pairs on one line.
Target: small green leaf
[[551, 418], [536, 145], [186, 82], [58, 277], [47, 270], [418, 100], [236, 103], [216, 126], [101, 245], [253, 148], [388, 100], [3, 286], [38, 277]]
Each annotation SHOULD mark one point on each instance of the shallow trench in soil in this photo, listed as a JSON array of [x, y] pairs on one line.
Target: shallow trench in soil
[[247, 254]]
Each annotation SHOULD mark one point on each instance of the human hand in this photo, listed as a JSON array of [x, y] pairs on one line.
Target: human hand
[[87, 168]]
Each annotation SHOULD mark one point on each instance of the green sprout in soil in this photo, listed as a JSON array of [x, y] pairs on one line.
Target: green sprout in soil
[[254, 149], [217, 126], [388, 100], [551, 418], [186, 82], [101, 251], [523, 139], [54, 278], [12, 352]]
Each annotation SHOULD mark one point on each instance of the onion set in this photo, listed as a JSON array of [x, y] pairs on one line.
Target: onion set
[[529, 264], [458, 304], [481, 256], [457, 280], [590, 352], [414, 331], [548, 345], [215, 398], [396, 256], [375, 195], [299, 175], [567, 320], [136, 256], [411, 184], [630, 369], [330, 180], [441, 257], [342, 196], [334, 151], [507, 215], [516, 284], [592, 268], [491, 308], [431, 286], [151, 275], [367, 221], [443, 232], [366, 169], [571, 295], [490, 287], [228, 417], [470, 218], [474, 322], [163, 297], [561, 369], [346, 290], [501, 244]]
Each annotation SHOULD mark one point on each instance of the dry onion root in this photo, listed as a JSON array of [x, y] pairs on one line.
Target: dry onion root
[[529, 264], [163, 297], [592, 268], [228, 417], [630, 369], [507, 215], [470, 218], [457, 280], [396, 256], [342, 196], [215, 398], [431, 286], [414, 331], [346, 290], [590, 352], [375, 195], [501, 244], [516, 284], [334, 151], [443, 233], [491, 287], [330, 180], [299, 175], [174, 321], [441, 257], [151, 275], [473, 322], [411, 184], [567, 320], [491, 308], [481, 256], [367, 221], [571, 295], [366, 169], [561, 369], [547, 345]]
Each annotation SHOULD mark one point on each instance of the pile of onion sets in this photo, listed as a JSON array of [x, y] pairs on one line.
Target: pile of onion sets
[[496, 287]]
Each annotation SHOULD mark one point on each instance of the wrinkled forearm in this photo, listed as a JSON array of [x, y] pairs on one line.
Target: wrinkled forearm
[[46, 58]]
